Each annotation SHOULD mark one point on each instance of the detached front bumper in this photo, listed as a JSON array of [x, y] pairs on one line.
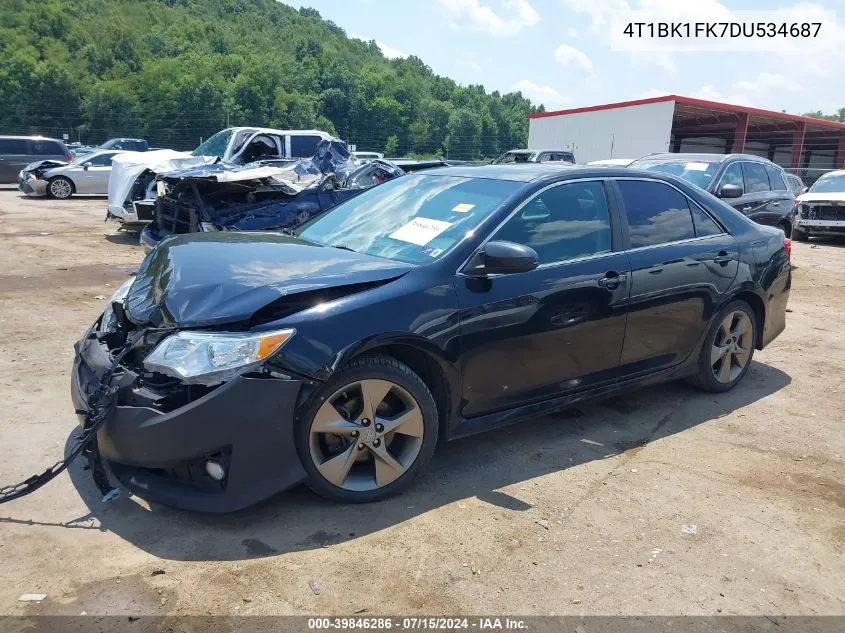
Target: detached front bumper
[[245, 424], [31, 186]]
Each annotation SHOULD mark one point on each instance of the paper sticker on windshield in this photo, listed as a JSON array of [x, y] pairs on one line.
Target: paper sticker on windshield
[[696, 166], [420, 231], [463, 207]]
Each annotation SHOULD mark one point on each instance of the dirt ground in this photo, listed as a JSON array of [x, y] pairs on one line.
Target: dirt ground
[[664, 501]]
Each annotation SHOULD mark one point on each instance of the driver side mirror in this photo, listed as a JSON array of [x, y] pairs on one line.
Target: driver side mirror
[[730, 191], [500, 257], [87, 164]]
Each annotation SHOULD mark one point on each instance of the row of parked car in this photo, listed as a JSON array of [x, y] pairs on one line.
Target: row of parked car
[[755, 186]]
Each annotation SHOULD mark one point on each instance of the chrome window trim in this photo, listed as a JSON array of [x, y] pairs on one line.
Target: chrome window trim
[[519, 208]]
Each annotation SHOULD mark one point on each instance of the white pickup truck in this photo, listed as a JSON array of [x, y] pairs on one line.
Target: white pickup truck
[[132, 182]]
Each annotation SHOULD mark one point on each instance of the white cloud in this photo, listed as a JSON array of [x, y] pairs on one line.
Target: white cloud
[[572, 32], [544, 94], [570, 57], [474, 16], [711, 93], [654, 92], [387, 51]]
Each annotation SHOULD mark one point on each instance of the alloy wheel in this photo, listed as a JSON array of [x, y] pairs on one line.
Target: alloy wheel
[[60, 188], [366, 435], [732, 347]]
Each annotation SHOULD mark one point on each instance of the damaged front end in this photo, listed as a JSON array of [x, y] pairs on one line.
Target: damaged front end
[[268, 195], [196, 354], [821, 217], [32, 179]]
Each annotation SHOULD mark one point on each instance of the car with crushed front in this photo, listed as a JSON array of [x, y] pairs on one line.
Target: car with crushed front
[[434, 306]]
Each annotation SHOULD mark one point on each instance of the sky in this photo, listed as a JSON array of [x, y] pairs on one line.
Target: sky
[[567, 53]]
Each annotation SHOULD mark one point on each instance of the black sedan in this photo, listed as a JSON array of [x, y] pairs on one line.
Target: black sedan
[[437, 305]]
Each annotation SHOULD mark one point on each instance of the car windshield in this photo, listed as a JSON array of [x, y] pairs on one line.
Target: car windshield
[[214, 145], [829, 184], [513, 157], [83, 158], [412, 219], [697, 172]]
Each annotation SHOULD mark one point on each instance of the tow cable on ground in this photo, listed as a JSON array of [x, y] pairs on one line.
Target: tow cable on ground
[[100, 405]]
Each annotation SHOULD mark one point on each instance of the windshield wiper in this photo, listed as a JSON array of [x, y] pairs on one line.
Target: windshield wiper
[[343, 247], [287, 231]]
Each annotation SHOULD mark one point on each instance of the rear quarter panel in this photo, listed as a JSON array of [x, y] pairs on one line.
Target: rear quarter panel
[[773, 274]]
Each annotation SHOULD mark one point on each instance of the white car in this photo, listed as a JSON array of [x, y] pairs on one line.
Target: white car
[[368, 156], [613, 162], [85, 175], [132, 185], [821, 211]]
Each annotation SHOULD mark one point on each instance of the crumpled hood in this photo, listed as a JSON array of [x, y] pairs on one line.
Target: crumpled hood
[[44, 165], [833, 196], [206, 279]]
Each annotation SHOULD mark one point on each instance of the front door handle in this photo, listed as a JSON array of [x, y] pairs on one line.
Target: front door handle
[[776, 203], [612, 280], [722, 258]]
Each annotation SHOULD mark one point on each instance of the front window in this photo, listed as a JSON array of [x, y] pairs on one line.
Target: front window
[[412, 219], [833, 183], [513, 157], [696, 172], [214, 145], [565, 222]]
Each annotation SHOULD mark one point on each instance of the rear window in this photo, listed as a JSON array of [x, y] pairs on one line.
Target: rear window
[[303, 146], [47, 148], [13, 146], [775, 179], [657, 213]]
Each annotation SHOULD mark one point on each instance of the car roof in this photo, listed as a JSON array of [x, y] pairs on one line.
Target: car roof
[[524, 172], [32, 137], [704, 157]]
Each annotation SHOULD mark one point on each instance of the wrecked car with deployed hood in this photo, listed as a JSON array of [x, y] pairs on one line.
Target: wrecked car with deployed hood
[[260, 196], [132, 185], [439, 304]]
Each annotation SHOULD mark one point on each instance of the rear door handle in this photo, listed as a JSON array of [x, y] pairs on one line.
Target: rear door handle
[[722, 257], [776, 203], [612, 280]]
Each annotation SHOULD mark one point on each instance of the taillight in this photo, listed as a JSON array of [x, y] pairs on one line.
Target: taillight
[[787, 246], [69, 157]]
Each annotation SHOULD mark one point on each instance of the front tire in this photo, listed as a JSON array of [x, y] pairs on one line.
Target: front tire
[[60, 188], [368, 432], [728, 349]]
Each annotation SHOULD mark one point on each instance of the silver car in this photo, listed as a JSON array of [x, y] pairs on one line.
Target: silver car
[[85, 175]]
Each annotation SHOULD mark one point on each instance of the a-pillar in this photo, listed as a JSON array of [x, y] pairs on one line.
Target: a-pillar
[[740, 134], [798, 145]]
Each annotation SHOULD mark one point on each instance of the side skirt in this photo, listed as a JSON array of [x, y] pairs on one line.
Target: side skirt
[[499, 419]]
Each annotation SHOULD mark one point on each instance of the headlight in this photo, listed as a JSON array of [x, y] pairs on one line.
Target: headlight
[[212, 357], [109, 322]]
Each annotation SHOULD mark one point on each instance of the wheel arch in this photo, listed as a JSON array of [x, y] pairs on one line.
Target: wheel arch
[[758, 306], [427, 361]]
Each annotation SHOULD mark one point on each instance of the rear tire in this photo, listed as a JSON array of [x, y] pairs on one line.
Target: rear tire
[[352, 454], [727, 350], [60, 188]]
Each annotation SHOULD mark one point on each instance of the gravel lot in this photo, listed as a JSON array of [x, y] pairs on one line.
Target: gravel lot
[[664, 501]]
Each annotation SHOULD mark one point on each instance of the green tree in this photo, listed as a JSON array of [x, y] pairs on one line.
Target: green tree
[[463, 140], [391, 148]]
